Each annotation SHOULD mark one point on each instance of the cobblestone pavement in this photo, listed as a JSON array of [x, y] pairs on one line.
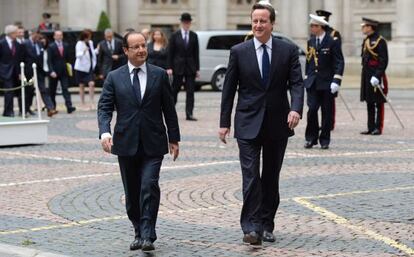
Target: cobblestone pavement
[[355, 199]]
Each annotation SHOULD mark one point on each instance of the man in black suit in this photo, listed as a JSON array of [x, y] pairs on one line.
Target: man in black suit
[[110, 54], [184, 62], [324, 69], [262, 70], [142, 96], [58, 54], [11, 54], [34, 54]]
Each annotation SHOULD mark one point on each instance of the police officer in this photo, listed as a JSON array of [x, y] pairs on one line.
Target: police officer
[[324, 69], [374, 62], [336, 36]]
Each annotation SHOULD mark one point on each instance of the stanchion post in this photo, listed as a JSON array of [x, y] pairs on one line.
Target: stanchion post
[[22, 82], [36, 85]]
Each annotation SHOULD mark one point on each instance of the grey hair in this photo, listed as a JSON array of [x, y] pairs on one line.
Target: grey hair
[[108, 31], [10, 29]]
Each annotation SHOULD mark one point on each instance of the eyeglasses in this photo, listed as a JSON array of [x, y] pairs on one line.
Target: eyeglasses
[[136, 48]]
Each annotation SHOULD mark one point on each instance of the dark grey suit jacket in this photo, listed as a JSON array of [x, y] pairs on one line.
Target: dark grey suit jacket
[[105, 61], [138, 124], [257, 105]]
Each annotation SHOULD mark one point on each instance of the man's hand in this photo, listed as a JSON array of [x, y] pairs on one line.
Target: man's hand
[[223, 133], [169, 72], [334, 87], [106, 143], [293, 119], [174, 150], [115, 57], [374, 81], [53, 74]]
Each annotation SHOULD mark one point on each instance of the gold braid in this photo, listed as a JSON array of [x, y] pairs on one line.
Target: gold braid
[[369, 48], [312, 54]]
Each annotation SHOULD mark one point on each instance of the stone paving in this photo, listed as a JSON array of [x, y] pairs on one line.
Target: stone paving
[[355, 199]]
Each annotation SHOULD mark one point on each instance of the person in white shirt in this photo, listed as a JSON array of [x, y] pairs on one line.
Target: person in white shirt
[[85, 65]]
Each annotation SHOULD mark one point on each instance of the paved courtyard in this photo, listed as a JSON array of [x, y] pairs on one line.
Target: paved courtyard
[[355, 199]]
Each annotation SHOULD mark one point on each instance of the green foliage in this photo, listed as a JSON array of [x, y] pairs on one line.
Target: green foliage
[[104, 22]]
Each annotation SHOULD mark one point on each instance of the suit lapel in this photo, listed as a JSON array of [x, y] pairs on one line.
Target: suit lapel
[[150, 82], [252, 57], [274, 64]]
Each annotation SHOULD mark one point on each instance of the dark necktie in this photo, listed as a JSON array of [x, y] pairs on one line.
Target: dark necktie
[[13, 49], [317, 42], [186, 38], [265, 66], [136, 85], [109, 46]]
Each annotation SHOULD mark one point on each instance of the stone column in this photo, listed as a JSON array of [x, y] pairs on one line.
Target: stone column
[[298, 19], [336, 8], [217, 14], [203, 15], [113, 12], [80, 14], [404, 20], [128, 15]]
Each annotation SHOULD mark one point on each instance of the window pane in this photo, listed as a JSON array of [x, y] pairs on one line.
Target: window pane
[[224, 42]]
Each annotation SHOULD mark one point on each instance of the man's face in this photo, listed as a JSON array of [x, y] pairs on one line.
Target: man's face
[[20, 33], [186, 25], [315, 29], [13, 35], [109, 36], [35, 37], [261, 25], [58, 35], [137, 49], [366, 30]]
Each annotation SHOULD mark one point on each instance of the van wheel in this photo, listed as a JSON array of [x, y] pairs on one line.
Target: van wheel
[[217, 82]]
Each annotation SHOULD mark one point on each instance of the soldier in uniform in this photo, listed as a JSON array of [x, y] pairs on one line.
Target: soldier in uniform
[[324, 69], [374, 62], [336, 36]]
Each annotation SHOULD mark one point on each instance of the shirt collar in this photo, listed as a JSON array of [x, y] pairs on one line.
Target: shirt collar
[[258, 44], [321, 37], [9, 40], [131, 67]]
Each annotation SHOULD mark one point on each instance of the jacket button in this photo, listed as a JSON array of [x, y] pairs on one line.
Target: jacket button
[[316, 70]]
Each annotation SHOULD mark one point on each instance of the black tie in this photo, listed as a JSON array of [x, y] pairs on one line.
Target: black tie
[[136, 85], [317, 42], [265, 66]]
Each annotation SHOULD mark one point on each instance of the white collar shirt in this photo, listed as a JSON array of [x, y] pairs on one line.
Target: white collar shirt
[[142, 76], [259, 51]]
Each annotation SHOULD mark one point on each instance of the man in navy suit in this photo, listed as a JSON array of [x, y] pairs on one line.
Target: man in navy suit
[[262, 70], [324, 69], [34, 54], [11, 54], [58, 54], [142, 97], [184, 62]]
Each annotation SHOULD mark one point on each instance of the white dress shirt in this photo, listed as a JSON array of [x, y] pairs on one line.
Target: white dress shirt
[[321, 37], [142, 76], [183, 34], [9, 41], [259, 51]]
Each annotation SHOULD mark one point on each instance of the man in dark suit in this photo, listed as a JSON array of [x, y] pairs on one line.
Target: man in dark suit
[[184, 62], [324, 69], [34, 54], [142, 96], [11, 54], [58, 54], [262, 70], [374, 63], [110, 54]]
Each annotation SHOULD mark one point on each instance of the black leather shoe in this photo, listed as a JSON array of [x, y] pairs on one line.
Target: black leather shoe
[[268, 236], [71, 109], [308, 144], [376, 132], [324, 147], [366, 132], [136, 244], [252, 238], [191, 118], [147, 245]]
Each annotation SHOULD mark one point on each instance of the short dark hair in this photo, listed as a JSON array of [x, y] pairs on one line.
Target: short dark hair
[[268, 7], [85, 34], [126, 36]]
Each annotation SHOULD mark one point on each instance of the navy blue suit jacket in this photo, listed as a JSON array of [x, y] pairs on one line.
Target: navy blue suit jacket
[[57, 62], [329, 66], [257, 104], [9, 64], [138, 124]]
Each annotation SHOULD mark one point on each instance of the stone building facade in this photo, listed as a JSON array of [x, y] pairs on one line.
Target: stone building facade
[[292, 19]]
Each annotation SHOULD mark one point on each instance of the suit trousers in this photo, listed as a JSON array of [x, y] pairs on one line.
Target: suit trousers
[[375, 116], [260, 192], [189, 88], [140, 175], [319, 99], [64, 83], [9, 96]]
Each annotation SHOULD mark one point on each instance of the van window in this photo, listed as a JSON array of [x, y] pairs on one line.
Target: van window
[[224, 42]]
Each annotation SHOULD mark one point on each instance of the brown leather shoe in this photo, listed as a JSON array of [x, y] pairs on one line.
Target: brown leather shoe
[[51, 112]]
